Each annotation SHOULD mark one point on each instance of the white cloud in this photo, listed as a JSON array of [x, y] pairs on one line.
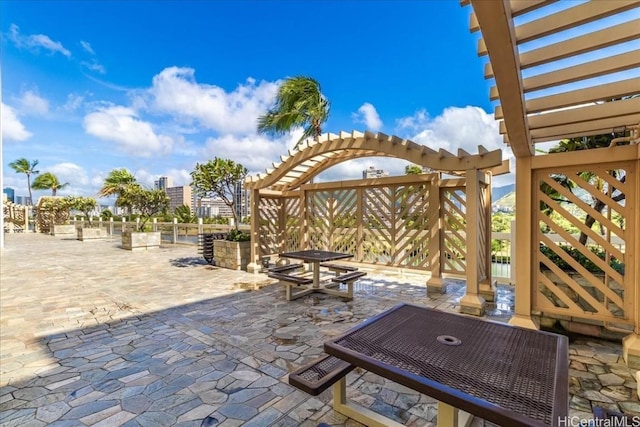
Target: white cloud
[[87, 47], [12, 128], [180, 176], [31, 103], [455, 128], [73, 102], [465, 128], [72, 173], [122, 126], [368, 115], [35, 42], [175, 91], [254, 152], [94, 66]]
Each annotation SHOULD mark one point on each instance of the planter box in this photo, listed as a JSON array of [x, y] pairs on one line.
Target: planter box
[[91, 233], [232, 255], [133, 240], [66, 230]]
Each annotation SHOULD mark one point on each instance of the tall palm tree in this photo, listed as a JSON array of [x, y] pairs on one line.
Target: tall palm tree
[[26, 167], [48, 181], [116, 182], [299, 102]]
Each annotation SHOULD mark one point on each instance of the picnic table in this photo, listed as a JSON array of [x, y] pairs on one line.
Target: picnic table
[[507, 375]]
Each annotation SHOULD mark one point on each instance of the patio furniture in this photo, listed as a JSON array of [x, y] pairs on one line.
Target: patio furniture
[[320, 374], [315, 258], [338, 268], [507, 375]]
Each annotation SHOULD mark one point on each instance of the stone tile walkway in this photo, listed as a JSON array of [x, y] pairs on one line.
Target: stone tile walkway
[[91, 334]]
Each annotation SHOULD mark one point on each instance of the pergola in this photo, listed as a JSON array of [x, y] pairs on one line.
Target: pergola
[[557, 68], [450, 218]]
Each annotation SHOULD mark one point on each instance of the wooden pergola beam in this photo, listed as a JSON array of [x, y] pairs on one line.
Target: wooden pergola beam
[[500, 36]]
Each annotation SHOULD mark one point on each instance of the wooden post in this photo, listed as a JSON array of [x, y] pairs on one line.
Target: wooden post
[[524, 243], [472, 302], [253, 266], [435, 284], [304, 226], [631, 343], [359, 221], [175, 230], [487, 288]]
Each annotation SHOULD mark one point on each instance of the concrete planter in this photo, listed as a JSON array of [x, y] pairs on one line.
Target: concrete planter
[[64, 230], [232, 255], [133, 240], [91, 233]]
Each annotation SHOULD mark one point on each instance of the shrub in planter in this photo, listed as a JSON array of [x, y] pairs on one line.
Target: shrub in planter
[[147, 203]]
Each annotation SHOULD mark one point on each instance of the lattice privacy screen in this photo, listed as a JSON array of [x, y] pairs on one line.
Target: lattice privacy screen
[[582, 239]]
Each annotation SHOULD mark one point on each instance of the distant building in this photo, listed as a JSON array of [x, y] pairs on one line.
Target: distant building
[[163, 183], [372, 172], [22, 200], [11, 194], [179, 196], [208, 207]]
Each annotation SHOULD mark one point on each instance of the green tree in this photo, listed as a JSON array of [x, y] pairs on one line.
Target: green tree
[[412, 170], [299, 102], [577, 144], [184, 215], [145, 202], [28, 168], [219, 178], [116, 182], [48, 181], [83, 204]]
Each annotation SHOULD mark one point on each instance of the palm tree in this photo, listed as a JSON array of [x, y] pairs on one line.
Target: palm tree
[[116, 181], [25, 166], [299, 102], [48, 181]]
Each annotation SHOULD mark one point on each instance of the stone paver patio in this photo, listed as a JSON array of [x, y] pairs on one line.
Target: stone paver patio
[[91, 334]]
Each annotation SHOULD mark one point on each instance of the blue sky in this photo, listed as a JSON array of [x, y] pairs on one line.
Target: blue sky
[[157, 86]]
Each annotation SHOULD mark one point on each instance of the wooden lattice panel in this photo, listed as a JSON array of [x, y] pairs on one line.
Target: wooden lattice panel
[[269, 226], [378, 217], [332, 220], [454, 249], [582, 240], [292, 228], [484, 240], [411, 225]]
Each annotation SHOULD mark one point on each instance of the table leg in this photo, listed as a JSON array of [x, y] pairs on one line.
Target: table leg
[[448, 416], [359, 413], [316, 275]]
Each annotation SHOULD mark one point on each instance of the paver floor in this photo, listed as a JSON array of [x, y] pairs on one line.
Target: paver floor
[[91, 334]]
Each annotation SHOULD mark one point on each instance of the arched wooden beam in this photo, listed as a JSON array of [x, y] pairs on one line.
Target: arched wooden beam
[[330, 149]]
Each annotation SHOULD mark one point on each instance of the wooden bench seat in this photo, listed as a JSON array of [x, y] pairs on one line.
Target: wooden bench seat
[[297, 280], [285, 268], [349, 277], [291, 281], [337, 268], [319, 375]]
